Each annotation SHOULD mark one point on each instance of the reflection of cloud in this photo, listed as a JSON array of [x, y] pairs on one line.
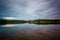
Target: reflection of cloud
[[9, 18], [8, 25]]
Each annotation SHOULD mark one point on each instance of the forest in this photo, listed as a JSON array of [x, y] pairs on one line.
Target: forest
[[37, 21]]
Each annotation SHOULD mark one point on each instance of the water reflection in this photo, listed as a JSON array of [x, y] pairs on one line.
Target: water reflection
[[8, 25], [29, 32]]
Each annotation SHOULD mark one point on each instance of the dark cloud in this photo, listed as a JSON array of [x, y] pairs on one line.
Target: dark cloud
[[32, 9]]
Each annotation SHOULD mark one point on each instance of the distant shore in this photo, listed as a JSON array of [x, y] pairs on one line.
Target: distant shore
[[37, 21]]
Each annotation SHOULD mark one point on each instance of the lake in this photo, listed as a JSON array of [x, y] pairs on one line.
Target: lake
[[29, 32]]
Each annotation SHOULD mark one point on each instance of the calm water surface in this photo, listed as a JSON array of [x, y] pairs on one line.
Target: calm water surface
[[29, 32]]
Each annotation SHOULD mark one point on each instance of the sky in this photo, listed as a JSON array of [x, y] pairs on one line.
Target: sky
[[29, 9]]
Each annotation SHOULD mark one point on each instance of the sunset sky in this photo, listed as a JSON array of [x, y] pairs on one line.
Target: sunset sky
[[29, 9]]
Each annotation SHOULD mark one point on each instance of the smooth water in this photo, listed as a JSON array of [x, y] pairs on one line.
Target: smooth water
[[29, 32]]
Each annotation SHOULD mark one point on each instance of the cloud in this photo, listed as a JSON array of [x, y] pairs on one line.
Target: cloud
[[9, 18], [34, 6], [32, 9]]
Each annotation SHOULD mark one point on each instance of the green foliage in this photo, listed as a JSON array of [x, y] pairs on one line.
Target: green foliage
[[38, 21], [12, 21], [45, 21]]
